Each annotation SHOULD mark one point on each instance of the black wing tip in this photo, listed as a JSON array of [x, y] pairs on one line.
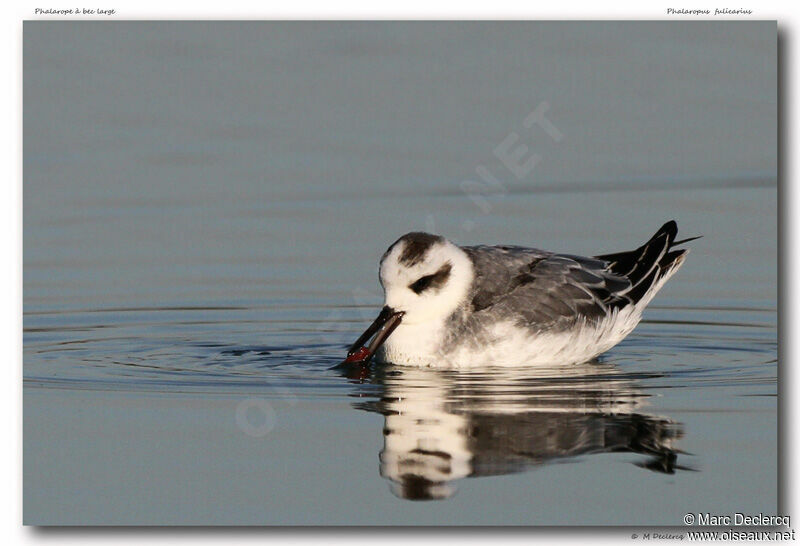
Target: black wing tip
[[670, 229], [624, 263]]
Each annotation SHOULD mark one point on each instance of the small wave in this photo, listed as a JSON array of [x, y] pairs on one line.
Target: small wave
[[232, 347]]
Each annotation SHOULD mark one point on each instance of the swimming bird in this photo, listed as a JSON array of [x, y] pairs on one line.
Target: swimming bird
[[450, 306]]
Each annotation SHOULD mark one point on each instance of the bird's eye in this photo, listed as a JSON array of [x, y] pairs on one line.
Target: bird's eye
[[435, 280], [422, 283]]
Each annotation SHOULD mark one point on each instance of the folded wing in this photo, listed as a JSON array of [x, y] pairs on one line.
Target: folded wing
[[556, 290]]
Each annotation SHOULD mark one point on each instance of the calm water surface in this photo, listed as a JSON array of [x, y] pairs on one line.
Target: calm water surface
[[205, 207]]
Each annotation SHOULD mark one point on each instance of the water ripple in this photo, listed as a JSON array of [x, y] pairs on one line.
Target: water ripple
[[240, 348]]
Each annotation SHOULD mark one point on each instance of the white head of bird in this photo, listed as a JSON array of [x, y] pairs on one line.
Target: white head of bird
[[426, 277]]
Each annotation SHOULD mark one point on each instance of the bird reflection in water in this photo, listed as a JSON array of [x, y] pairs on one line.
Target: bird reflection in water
[[441, 426]]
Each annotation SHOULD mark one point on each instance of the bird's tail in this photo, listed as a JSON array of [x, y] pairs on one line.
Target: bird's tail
[[649, 266]]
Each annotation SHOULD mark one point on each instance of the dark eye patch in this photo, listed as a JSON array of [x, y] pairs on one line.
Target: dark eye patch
[[436, 280]]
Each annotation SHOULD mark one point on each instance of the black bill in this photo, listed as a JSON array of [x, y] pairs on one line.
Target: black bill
[[381, 328]]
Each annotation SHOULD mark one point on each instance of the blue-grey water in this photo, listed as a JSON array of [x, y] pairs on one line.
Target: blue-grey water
[[205, 205]]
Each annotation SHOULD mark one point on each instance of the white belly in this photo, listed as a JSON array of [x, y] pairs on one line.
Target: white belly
[[505, 344]]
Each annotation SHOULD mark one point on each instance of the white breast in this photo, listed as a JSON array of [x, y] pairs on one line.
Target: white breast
[[415, 344]]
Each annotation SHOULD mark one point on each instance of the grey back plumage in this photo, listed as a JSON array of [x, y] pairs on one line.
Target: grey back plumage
[[553, 291]]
